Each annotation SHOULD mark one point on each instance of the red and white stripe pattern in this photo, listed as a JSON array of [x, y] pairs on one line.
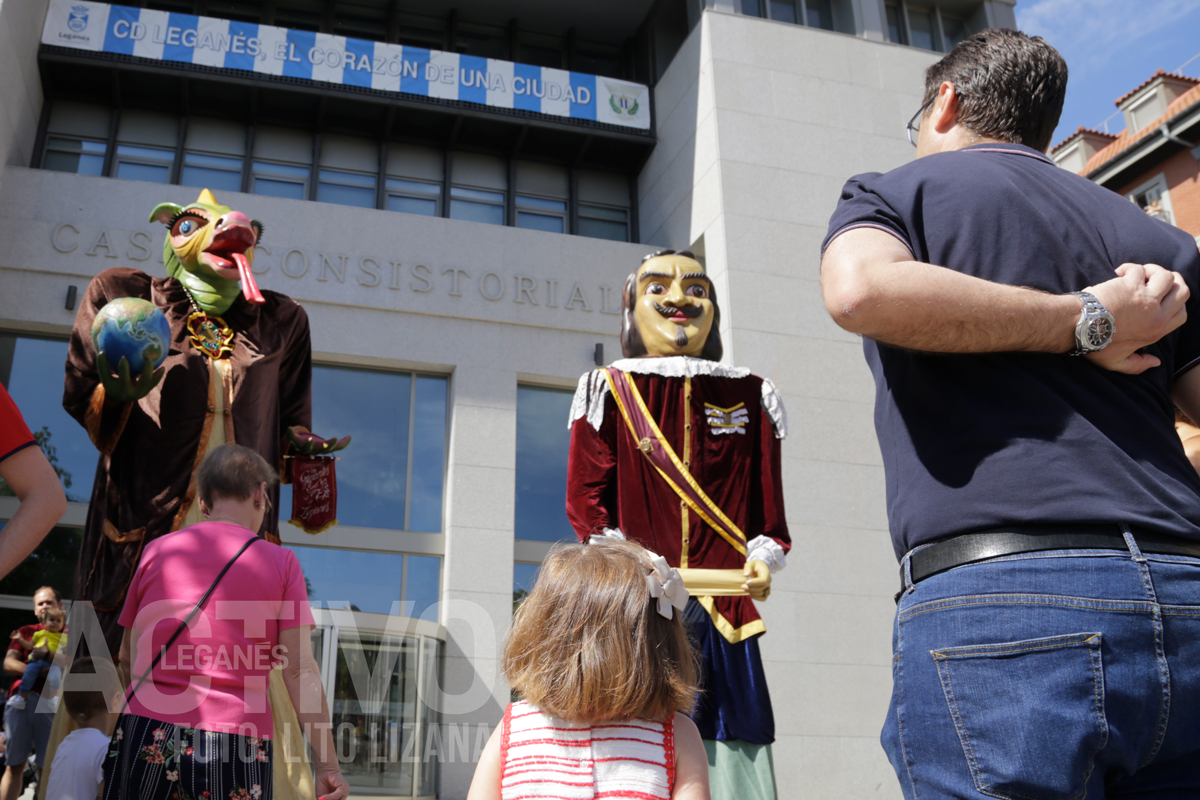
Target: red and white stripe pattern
[[545, 758]]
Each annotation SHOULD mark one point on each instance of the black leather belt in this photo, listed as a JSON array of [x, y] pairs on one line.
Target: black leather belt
[[968, 548]]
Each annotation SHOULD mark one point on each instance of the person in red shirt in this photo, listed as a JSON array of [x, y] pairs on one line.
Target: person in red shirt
[[31, 478]]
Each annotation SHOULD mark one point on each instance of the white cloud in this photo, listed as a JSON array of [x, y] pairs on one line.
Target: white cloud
[[1087, 31]]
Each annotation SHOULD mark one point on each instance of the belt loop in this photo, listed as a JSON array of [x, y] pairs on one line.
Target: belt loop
[[907, 568], [1132, 544]]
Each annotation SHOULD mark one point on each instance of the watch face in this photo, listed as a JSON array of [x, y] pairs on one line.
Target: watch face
[[1099, 332]]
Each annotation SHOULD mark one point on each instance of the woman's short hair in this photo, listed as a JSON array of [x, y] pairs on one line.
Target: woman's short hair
[[588, 645], [232, 471]]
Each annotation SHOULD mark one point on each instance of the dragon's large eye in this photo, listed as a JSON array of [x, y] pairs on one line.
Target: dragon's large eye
[[185, 227], [187, 222]]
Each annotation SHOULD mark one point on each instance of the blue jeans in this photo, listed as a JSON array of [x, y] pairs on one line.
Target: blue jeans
[[1060, 675], [32, 670]]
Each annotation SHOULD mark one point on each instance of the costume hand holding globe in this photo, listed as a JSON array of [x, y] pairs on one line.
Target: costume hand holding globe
[[131, 338]]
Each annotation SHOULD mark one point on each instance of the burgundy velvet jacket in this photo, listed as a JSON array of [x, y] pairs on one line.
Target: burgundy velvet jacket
[[610, 484], [148, 449]]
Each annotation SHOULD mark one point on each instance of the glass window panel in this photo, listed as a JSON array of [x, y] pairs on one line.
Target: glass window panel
[[600, 212], [51, 564], [542, 442], [215, 179], [541, 202], [412, 205], [539, 222], [895, 24], [604, 229], [272, 188], [921, 24], [373, 408], [541, 56], [751, 8], [476, 194], [32, 371], [356, 178], [143, 172], [145, 152], [955, 30], [783, 10], [317, 638], [289, 170], [368, 581], [477, 212], [220, 162], [524, 577], [429, 454], [419, 187], [346, 195], [430, 658], [374, 715], [484, 45], [820, 14], [79, 163], [422, 584]]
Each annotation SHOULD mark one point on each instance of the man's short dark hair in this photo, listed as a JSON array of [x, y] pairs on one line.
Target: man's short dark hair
[[632, 345], [1010, 86]]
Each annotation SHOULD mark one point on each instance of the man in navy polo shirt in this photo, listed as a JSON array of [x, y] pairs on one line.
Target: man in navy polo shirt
[[1028, 334]]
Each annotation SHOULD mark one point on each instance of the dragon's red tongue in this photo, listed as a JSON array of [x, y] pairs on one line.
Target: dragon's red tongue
[[249, 287]]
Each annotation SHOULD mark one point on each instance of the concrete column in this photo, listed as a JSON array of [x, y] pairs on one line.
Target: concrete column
[[477, 571], [21, 24]]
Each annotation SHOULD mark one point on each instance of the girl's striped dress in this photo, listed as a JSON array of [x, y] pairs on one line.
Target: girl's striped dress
[[546, 758]]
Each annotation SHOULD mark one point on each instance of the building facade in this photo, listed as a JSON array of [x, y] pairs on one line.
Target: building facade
[[460, 261], [1155, 161]]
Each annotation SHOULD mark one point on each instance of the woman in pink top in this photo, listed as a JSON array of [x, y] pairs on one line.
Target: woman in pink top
[[200, 725]]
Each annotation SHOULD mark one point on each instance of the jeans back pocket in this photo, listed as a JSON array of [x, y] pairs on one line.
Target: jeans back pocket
[[1029, 714]]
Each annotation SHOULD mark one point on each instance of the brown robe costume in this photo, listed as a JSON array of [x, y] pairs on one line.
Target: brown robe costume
[[149, 449]]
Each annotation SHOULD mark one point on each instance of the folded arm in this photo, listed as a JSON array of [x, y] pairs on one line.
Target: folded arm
[[874, 286]]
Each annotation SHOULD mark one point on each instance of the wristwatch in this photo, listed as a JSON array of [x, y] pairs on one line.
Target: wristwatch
[[1095, 328]]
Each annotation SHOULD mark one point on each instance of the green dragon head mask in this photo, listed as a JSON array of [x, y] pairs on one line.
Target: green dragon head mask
[[209, 248]]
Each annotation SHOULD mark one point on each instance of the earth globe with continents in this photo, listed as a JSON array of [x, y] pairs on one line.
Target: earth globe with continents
[[133, 329]]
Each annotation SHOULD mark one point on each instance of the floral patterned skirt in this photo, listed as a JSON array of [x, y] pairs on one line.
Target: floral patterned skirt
[[152, 760]]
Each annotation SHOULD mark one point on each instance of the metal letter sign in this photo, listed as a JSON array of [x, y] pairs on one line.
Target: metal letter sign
[[268, 50]]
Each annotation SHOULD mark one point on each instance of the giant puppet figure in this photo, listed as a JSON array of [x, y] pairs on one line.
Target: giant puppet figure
[[681, 454], [238, 369]]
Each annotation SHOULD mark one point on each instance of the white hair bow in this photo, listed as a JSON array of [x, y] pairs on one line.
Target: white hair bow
[[665, 583]]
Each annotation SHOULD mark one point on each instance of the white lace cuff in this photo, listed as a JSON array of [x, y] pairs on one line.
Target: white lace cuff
[[767, 550], [607, 535]]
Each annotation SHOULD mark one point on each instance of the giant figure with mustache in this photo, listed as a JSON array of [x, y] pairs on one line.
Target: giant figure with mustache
[[680, 453]]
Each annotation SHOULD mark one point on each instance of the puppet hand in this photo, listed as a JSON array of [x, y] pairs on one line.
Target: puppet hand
[[121, 388], [758, 581], [309, 444]]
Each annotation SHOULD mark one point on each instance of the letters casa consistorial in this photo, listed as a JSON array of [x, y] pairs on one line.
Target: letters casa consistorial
[[680, 453], [307, 267]]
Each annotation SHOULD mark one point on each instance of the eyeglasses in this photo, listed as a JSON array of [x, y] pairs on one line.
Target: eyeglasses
[[914, 124]]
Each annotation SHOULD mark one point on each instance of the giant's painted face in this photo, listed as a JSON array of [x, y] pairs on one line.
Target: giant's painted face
[[673, 308], [210, 248]]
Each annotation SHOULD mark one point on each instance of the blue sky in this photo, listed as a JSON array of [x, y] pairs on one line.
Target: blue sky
[[1111, 46]]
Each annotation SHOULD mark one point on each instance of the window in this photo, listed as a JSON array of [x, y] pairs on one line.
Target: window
[[542, 443], [524, 577], [32, 371], [895, 23], [80, 156], [280, 180], [53, 563], [540, 214], [921, 27], [955, 29], [144, 163], [370, 581], [219, 173], [414, 197], [476, 205], [1153, 198], [783, 10], [600, 222], [820, 14], [484, 41], [346, 188], [398, 421], [751, 8]]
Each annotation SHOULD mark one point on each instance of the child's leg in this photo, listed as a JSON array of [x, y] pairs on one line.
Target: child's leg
[[32, 671]]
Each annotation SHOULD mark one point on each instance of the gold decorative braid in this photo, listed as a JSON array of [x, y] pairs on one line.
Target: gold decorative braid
[[725, 627]]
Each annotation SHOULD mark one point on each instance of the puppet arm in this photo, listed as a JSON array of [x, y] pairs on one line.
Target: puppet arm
[[766, 551], [591, 476], [97, 400]]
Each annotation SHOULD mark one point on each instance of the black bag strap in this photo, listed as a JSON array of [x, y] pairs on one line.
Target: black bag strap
[[184, 624]]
